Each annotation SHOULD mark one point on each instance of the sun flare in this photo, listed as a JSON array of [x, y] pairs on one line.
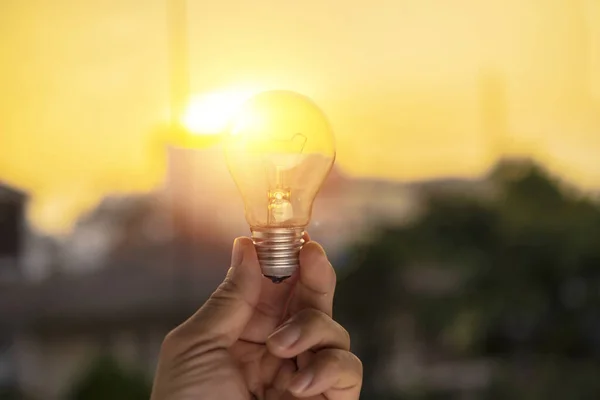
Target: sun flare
[[209, 114]]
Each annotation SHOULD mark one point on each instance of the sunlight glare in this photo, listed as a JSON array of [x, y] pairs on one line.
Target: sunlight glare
[[209, 114]]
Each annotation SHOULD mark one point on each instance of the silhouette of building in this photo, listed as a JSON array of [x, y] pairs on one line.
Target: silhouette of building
[[12, 227]]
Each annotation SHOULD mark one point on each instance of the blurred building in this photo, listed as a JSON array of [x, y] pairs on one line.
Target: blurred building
[[12, 228], [116, 286]]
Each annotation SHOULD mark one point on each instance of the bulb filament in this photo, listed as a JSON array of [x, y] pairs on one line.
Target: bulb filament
[[280, 206]]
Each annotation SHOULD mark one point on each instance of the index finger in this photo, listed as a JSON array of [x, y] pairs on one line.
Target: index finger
[[316, 281]]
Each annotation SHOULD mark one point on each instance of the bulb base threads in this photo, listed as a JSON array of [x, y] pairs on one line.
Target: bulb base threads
[[278, 251]]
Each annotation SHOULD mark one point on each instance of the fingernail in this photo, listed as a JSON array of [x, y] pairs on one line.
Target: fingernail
[[285, 336], [301, 382], [237, 253]]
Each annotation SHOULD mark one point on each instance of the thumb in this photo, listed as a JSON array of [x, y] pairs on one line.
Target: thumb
[[225, 314]]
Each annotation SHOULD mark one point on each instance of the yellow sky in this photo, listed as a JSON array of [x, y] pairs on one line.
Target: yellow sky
[[85, 85]]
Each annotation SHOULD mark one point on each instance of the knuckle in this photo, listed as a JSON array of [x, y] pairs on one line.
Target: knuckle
[[347, 339], [333, 273], [318, 321], [358, 363], [228, 289], [344, 362], [336, 357], [170, 342], [224, 296], [312, 317], [228, 292], [183, 343], [334, 361]]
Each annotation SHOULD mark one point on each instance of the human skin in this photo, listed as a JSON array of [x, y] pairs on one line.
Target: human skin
[[253, 339]]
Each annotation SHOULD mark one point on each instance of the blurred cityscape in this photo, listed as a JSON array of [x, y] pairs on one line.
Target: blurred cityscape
[[137, 265], [478, 287], [452, 288]]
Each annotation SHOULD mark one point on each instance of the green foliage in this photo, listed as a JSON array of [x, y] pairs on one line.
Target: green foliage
[[527, 265], [106, 379]]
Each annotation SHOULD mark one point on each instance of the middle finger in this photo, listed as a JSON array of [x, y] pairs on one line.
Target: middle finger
[[310, 329]]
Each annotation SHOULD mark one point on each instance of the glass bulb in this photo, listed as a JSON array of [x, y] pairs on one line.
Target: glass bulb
[[279, 150]]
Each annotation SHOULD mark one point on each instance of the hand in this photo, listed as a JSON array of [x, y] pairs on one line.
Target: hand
[[235, 347]]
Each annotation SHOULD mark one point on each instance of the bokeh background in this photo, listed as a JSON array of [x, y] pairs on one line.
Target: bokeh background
[[462, 214]]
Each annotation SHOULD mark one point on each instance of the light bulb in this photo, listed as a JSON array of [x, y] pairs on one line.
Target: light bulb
[[279, 150]]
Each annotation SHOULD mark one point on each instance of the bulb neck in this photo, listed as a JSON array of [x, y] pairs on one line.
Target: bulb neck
[[278, 251]]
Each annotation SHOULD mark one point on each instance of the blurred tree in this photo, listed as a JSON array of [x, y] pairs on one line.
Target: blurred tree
[[106, 379], [519, 284]]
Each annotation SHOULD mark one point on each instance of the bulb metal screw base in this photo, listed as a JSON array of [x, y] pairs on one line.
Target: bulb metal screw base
[[278, 251]]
